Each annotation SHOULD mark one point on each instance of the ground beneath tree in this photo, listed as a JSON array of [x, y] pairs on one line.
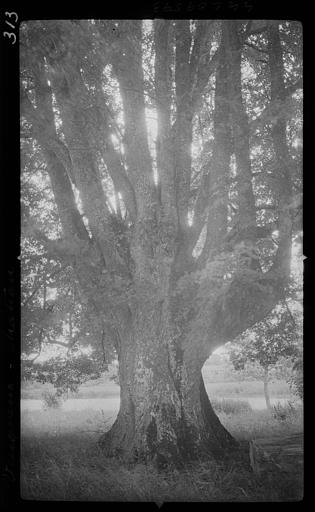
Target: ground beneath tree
[[278, 454], [60, 460]]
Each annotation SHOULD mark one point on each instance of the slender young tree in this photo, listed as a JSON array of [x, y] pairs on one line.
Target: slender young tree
[[166, 255]]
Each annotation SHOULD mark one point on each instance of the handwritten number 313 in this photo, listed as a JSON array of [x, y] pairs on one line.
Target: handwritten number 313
[[10, 34]]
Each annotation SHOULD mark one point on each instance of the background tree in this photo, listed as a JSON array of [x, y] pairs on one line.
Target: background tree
[[176, 234], [266, 346], [297, 380]]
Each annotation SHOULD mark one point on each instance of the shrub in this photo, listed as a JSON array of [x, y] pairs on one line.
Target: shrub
[[229, 406], [283, 412], [51, 400]]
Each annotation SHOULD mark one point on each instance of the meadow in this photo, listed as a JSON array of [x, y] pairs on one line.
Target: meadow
[[61, 460], [218, 384]]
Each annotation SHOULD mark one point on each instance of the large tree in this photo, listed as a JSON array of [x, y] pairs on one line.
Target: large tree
[[178, 243]]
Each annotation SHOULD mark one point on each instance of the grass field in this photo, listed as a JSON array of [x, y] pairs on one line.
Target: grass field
[[60, 460], [105, 388]]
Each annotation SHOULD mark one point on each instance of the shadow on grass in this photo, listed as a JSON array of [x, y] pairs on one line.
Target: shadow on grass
[[72, 467], [61, 460]]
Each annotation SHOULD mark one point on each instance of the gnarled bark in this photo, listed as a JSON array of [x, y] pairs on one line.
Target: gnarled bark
[[165, 413]]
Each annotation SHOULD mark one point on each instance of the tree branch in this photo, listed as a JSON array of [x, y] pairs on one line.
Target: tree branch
[[184, 115], [255, 31], [275, 107], [120, 179], [284, 183], [247, 30], [204, 73], [199, 53], [201, 203], [71, 220], [47, 132], [164, 151], [129, 72], [251, 45], [46, 279]]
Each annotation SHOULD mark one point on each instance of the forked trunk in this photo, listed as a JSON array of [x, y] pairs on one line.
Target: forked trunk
[[165, 414]]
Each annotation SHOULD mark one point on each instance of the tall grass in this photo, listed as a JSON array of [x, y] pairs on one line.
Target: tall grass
[[230, 406], [263, 423], [72, 468], [60, 460]]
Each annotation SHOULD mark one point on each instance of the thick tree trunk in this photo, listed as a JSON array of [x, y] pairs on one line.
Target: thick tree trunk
[[165, 414]]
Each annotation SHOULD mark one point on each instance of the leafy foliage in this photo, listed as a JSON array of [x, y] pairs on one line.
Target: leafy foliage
[[267, 342], [66, 374], [297, 379]]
